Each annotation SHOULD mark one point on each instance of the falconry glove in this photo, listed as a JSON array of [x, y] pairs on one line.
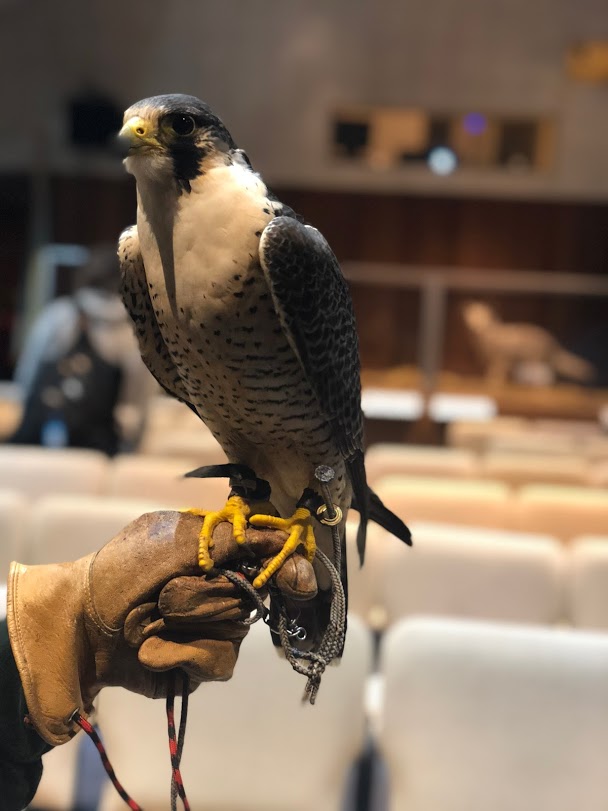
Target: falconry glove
[[129, 614]]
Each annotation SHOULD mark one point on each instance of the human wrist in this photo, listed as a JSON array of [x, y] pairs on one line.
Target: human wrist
[[46, 621]]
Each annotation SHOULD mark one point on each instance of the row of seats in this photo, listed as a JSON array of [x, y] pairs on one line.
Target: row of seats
[[514, 467], [451, 570], [560, 510], [521, 434], [37, 472], [469, 716], [481, 574]]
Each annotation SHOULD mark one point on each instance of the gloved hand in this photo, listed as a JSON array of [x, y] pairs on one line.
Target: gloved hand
[[131, 612]]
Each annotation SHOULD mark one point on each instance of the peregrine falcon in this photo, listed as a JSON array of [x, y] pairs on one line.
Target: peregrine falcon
[[242, 312]]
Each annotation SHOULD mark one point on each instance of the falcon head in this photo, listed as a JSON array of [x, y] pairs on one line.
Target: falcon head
[[172, 136]]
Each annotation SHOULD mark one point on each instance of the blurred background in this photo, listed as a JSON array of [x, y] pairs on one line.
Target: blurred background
[[454, 154], [448, 151]]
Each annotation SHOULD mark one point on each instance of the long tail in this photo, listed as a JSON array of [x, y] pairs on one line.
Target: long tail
[[570, 365], [387, 519], [376, 511]]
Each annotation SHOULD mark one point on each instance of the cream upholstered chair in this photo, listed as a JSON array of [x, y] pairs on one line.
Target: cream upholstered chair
[[454, 501], [561, 511], [588, 582], [162, 480], [172, 429], [39, 471], [596, 447], [471, 572], [479, 716], [198, 446], [59, 775], [13, 516], [476, 434], [363, 584], [534, 440], [251, 745], [519, 468], [598, 473], [67, 527], [385, 459]]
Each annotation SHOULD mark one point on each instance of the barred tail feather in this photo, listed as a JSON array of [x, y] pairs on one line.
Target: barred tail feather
[[381, 515]]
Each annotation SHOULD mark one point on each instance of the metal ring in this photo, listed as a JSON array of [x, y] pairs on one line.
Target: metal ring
[[330, 522], [295, 630]]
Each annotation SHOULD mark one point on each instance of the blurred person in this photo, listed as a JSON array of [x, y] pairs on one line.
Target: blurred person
[[80, 370], [132, 614]]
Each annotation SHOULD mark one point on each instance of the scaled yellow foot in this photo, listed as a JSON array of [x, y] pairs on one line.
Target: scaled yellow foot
[[299, 529], [235, 511]]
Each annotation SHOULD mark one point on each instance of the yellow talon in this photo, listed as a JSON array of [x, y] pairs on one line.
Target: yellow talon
[[299, 527], [235, 511]]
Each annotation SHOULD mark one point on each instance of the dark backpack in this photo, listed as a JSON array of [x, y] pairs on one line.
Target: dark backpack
[[72, 399]]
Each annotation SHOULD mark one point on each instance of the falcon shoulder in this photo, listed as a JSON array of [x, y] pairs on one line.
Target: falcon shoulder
[[313, 303], [136, 298]]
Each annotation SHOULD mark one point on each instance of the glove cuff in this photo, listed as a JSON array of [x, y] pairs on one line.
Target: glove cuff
[[46, 628]]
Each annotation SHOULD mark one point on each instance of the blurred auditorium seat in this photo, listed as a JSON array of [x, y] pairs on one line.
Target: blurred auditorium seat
[[173, 429], [453, 501], [471, 573], [392, 404], [250, 743], [13, 515], [66, 527], [479, 716], [561, 511], [37, 471], [59, 778], [588, 582], [582, 429], [596, 448], [543, 443], [447, 407], [474, 435], [598, 473], [162, 480], [166, 412], [198, 446], [385, 459], [363, 584], [523, 468]]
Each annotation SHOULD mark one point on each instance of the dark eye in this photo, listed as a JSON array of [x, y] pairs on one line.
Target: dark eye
[[182, 124]]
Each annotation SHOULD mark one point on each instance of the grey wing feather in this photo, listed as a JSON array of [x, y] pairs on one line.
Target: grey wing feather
[[314, 305], [136, 298]]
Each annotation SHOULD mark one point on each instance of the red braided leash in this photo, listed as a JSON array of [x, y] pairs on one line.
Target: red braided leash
[[86, 726], [175, 743], [175, 747]]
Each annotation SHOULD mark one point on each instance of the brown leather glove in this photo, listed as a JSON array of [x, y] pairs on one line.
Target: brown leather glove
[[131, 612]]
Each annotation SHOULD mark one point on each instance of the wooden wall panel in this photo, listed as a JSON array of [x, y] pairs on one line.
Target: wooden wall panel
[[499, 234], [463, 232]]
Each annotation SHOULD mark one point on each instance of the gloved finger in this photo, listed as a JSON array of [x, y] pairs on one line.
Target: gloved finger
[[202, 659], [145, 621], [189, 599], [192, 599], [157, 547], [141, 622], [296, 579]]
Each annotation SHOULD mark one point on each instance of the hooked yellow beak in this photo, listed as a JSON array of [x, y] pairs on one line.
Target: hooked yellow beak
[[137, 134]]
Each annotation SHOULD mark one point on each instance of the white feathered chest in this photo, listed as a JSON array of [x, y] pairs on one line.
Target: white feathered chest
[[213, 305]]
